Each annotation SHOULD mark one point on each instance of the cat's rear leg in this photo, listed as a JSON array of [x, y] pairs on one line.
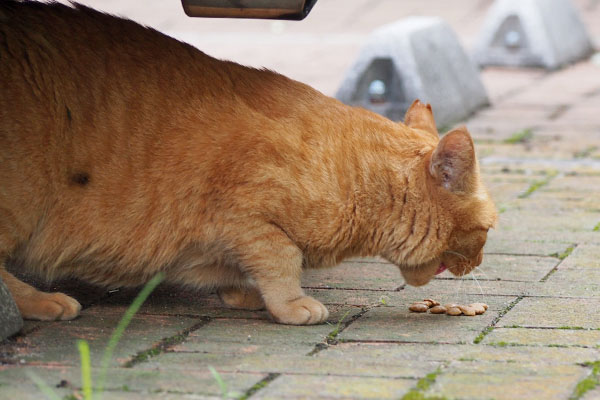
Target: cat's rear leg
[[34, 304], [245, 298], [275, 263]]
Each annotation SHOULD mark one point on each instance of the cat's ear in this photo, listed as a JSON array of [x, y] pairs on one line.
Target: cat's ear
[[453, 163], [420, 116]]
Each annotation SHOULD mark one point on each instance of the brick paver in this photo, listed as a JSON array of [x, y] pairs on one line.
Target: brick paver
[[539, 339]]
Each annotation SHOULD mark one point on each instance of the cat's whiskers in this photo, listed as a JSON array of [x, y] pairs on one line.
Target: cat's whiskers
[[459, 288], [465, 294], [479, 269], [477, 282], [474, 278]]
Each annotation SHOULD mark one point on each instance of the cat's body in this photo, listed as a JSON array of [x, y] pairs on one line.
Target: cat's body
[[124, 153]]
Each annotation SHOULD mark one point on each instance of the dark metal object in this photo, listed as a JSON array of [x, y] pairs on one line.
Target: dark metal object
[[10, 318], [260, 9]]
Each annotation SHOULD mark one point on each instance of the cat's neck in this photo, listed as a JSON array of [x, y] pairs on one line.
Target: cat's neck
[[395, 207]]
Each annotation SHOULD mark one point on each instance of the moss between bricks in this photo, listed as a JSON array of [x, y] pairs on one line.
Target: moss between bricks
[[597, 227], [585, 152], [503, 344], [564, 254], [420, 396], [589, 382], [341, 325], [561, 257], [336, 331], [423, 385], [512, 344], [483, 334], [520, 137], [489, 328], [565, 327], [538, 184], [259, 385], [332, 337], [163, 345]]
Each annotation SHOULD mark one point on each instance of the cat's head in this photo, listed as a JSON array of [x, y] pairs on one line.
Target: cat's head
[[453, 184]]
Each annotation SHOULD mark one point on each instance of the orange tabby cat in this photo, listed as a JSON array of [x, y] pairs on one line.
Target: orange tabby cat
[[124, 152]]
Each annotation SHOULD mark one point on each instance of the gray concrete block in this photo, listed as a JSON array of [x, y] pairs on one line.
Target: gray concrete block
[[532, 33], [10, 318], [414, 58]]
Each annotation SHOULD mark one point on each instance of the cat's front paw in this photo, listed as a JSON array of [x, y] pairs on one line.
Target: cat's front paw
[[302, 311], [48, 306]]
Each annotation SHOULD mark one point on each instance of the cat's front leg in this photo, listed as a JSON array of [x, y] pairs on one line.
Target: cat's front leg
[[275, 263]]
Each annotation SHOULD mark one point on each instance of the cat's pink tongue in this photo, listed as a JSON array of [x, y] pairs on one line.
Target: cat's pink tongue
[[441, 269]]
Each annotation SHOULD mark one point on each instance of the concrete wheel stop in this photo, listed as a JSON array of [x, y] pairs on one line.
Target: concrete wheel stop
[[532, 33], [10, 318], [417, 57]]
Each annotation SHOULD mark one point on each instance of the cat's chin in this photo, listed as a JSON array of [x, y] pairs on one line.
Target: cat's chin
[[422, 274]]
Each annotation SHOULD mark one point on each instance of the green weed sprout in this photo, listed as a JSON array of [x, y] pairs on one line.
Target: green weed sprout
[[225, 393], [84, 349]]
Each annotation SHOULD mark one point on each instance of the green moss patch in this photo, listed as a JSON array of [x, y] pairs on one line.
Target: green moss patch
[[536, 185], [589, 382], [520, 137]]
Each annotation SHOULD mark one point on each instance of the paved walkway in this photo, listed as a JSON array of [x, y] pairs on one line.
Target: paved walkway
[[539, 146]]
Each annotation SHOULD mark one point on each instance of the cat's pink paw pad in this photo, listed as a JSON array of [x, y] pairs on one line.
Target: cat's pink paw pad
[[302, 311]]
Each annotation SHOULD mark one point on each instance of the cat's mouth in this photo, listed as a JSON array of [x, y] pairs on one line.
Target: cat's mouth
[[441, 268]]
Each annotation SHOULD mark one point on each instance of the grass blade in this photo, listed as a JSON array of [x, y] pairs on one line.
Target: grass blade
[[86, 369], [220, 382], [116, 336], [42, 385]]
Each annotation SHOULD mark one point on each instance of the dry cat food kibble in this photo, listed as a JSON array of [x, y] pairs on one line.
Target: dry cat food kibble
[[431, 303], [480, 308], [438, 310], [434, 307], [453, 311], [470, 311], [419, 307]]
